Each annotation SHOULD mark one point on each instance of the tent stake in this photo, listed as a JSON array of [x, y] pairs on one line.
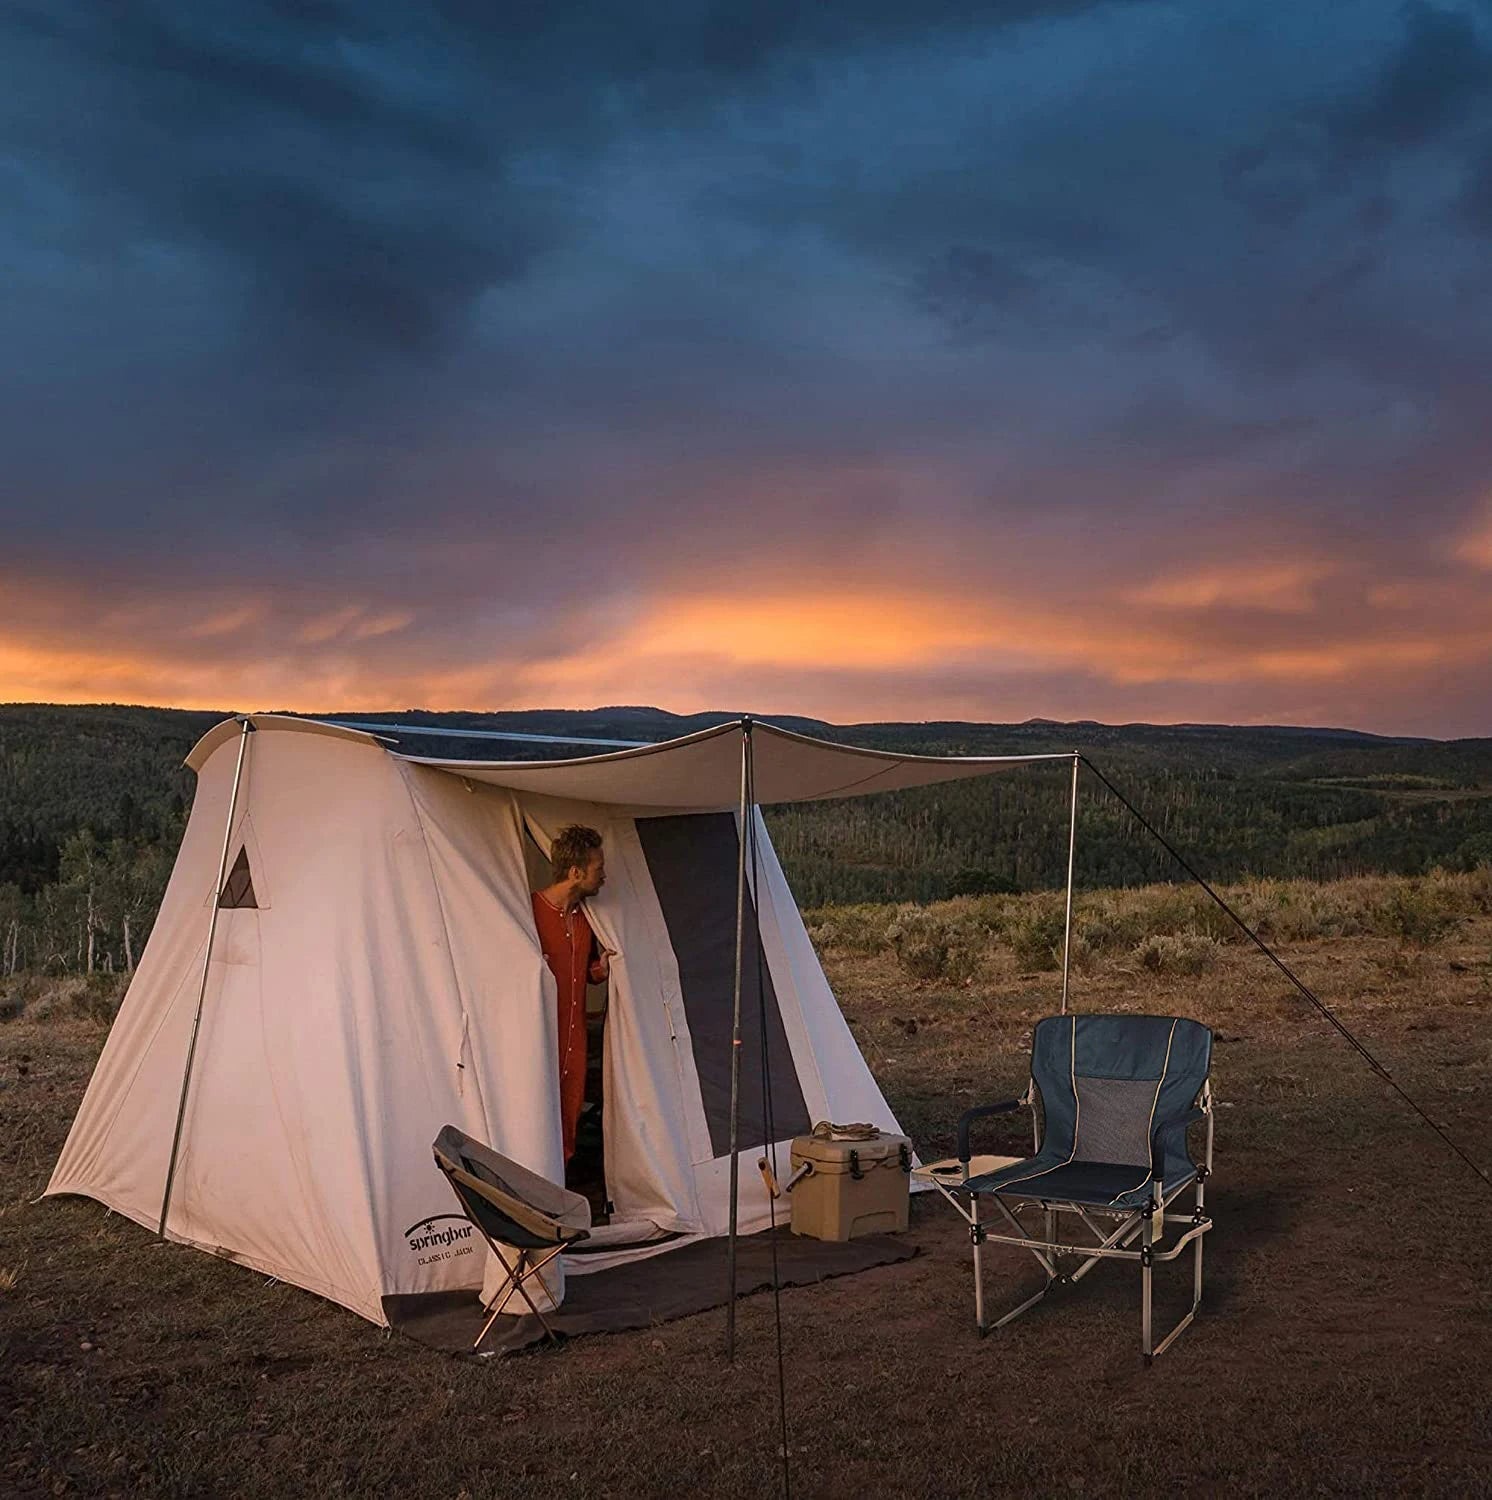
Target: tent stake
[[1072, 844], [735, 1047], [212, 927]]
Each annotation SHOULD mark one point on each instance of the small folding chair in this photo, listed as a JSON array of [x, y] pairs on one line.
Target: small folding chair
[[1118, 1094], [514, 1209]]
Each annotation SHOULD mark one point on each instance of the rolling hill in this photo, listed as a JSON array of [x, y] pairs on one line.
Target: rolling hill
[[96, 795]]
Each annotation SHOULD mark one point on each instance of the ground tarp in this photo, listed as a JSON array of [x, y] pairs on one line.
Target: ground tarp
[[645, 1292]]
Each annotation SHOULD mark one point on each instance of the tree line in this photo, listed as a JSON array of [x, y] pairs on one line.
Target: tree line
[[94, 800]]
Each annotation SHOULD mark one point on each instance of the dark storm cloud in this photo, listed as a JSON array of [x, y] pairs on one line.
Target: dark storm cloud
[[200, 65], [339, 336], [344, 199], [1475, 202], [353, 159], [1437, 78], [340, 185]]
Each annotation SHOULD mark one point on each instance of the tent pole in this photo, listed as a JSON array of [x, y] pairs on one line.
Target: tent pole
[[212, 927], [735, 1047], [1072, 844]]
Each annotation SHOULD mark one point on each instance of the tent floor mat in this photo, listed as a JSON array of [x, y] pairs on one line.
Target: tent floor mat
[[658, 1289]]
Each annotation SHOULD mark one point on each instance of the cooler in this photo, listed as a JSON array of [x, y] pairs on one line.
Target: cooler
[[854, 1187]]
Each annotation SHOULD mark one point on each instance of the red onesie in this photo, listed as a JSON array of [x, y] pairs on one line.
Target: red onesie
[[570, 951]]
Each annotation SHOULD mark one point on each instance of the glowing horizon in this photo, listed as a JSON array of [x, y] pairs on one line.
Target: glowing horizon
[[1247, 652]]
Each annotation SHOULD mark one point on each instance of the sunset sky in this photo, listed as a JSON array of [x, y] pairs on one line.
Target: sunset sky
[[874, 360]]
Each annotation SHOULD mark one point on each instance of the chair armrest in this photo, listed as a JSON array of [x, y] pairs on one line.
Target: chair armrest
[[1176, 1127], [979, 1112]]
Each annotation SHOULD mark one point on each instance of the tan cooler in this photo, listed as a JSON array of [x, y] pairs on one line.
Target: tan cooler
[[856, 1186]]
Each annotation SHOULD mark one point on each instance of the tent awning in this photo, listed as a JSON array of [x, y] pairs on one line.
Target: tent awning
[[698, 772]]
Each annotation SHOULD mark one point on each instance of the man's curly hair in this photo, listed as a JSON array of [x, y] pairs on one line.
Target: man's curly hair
[[571, 849]]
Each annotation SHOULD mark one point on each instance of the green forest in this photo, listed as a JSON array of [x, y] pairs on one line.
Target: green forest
[[93, 801]]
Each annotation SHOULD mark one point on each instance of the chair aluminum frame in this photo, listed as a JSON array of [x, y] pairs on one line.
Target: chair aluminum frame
[[1147, 1223], [522, 1270]]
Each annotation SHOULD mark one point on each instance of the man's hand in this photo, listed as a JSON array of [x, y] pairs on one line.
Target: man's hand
[[603, 964]]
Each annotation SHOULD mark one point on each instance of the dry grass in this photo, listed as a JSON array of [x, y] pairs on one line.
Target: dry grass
[[968, 937], [1343, 1349]]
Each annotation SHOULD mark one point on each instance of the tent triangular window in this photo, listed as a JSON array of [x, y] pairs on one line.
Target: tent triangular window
[[239, 891]]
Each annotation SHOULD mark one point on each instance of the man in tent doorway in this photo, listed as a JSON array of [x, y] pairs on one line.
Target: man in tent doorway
[[573, 955]]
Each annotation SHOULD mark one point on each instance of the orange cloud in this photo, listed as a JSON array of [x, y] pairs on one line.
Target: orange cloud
[[1287, 587], [1476, 546], [854, 634], [851, 630], [1340, 661], [228, 622], [352, 622]]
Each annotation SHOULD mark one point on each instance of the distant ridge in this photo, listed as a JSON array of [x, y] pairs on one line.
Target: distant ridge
[[676, 723]]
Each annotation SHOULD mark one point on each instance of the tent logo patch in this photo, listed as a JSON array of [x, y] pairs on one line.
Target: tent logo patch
[[440, 1237]]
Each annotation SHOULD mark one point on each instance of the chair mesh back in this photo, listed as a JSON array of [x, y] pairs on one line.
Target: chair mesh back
[[1113, 1120], [1111, 1084]]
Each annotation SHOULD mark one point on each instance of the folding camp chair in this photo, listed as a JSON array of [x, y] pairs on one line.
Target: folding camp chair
[[514, 1209], [1118, 1094]]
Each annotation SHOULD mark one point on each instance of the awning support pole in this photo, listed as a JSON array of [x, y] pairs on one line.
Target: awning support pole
[[1072, 844], [735, 1045], [212, 927]]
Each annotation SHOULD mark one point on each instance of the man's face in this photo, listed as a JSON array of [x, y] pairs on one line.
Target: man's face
[[593, 877]]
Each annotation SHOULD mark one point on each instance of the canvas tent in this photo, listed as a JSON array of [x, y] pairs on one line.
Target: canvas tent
[[345, 961]]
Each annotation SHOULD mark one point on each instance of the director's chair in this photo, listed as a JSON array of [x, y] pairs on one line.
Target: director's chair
[[1118, 1095]]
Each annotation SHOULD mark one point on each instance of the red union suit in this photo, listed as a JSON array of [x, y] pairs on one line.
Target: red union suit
[[571, 952]]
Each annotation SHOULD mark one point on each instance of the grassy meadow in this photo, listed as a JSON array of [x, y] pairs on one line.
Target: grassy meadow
[[1344, 1346]]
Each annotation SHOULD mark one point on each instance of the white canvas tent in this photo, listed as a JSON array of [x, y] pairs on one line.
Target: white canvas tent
[[345, 961]]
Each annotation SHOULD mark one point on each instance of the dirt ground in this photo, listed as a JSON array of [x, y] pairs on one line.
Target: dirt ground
[[1343, 1347]]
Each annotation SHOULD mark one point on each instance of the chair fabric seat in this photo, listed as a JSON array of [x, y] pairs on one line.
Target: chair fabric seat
[[1095, 1184]]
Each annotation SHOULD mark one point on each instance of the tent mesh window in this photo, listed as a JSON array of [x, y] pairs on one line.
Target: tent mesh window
[[239, 891]]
